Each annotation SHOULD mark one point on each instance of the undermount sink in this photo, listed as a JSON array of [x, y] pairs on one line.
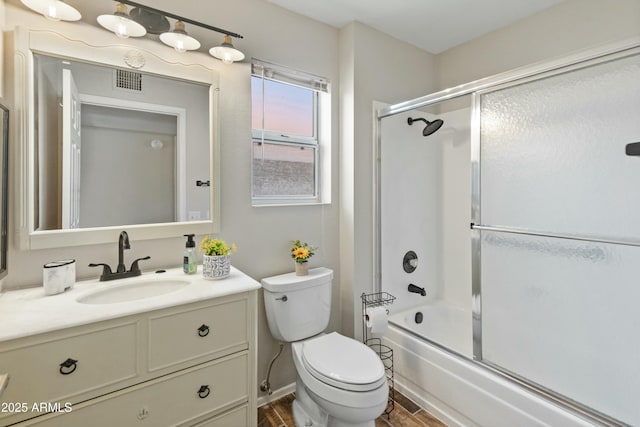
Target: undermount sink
[[133, 291]]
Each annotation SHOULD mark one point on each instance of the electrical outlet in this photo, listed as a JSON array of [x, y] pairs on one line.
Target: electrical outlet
[[194, 215]]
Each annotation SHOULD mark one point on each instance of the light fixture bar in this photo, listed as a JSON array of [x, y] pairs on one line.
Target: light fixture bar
[[180, 18]]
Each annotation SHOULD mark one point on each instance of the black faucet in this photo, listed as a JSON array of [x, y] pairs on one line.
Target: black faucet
[[121, 270], [417, 290], [123, 243]]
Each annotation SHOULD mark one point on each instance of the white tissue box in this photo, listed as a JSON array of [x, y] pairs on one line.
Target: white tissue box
[[58, 276]]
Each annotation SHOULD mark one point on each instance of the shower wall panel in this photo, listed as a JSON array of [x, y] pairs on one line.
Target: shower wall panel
[[456, 212], [411, 196], [425, 193]]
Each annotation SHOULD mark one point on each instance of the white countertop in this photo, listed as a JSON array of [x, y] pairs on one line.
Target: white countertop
[[29, 311]]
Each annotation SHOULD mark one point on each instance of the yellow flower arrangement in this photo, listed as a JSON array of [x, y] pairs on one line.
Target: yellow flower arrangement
[[216, 247], [301, 252]]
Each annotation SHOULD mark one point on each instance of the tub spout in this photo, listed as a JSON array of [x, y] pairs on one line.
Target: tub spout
[[417, 290]]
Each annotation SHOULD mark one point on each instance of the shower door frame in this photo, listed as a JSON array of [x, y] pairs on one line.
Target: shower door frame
[[476, 89]]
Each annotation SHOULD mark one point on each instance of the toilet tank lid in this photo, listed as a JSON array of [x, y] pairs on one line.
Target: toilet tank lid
[[290, 282]]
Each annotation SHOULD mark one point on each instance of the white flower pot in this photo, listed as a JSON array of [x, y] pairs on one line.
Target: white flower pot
[[216, 266], [302, 268]]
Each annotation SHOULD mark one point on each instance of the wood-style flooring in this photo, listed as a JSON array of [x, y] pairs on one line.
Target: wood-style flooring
[[405, 414]]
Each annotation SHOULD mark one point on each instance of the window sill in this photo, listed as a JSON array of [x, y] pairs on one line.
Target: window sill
[[283, 203]]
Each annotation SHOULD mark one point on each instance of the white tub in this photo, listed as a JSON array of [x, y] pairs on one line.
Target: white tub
[[442, 323], [451, 385]]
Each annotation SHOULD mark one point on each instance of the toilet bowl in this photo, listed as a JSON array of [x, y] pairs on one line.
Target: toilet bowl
[[343, 377], [340, 382]]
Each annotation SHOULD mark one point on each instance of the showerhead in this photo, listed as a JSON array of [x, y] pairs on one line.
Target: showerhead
[[430, 128]]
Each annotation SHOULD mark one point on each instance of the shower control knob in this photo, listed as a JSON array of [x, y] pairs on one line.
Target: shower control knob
[[410, 262]]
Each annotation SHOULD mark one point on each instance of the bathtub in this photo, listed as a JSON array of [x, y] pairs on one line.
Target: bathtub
[[439, 374]]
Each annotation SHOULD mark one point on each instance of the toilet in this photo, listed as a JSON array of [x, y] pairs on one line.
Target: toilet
[[340, 382]]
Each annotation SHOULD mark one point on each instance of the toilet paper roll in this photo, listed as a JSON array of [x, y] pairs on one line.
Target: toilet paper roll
[[376, 319]]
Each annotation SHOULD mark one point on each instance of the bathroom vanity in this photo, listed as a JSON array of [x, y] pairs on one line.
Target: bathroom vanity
[[160, 349]]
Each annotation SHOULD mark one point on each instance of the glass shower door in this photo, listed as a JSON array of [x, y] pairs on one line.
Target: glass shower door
[[558, 234]]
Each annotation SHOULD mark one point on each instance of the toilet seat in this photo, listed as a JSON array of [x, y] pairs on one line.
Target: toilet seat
[[343, 363]]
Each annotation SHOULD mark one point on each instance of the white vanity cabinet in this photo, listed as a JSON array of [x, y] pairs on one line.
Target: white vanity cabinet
[[186, 365]]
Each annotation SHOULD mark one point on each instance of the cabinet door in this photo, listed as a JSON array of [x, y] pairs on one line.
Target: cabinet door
[[172, 400]]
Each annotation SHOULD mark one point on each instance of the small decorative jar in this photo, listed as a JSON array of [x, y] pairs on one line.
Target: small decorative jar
[[302, 268], [216, 266]]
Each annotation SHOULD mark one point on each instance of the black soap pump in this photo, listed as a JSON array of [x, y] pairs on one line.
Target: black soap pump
[[190, 258]]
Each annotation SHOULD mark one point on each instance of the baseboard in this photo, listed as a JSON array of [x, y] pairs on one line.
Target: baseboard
[[277, 394]]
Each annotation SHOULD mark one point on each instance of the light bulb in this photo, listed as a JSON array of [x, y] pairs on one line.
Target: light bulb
[[156, 144], [226, 52], [180, 46], [120, 23], [52, 11], [121, 30], [179, 39]]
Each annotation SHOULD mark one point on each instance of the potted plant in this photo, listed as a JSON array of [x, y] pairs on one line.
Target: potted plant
[[216, 262], [301, 252]]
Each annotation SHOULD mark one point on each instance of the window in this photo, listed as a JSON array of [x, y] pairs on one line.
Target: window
[[285, 134]]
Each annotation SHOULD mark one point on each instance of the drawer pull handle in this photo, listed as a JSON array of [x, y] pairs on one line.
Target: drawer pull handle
[[204, 391], [203, 331], [68, 366]]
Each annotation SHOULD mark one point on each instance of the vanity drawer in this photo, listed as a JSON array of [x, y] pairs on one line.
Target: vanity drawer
[[182, 399], [103, 357], [210, 332]]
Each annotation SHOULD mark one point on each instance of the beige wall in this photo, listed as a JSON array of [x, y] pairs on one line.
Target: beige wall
[[364, 65], [571, 26], [368, 75], [374, 67], [262, 234]]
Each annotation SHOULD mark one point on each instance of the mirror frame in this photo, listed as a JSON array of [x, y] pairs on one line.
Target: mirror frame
[[146, 57], [4, 188]]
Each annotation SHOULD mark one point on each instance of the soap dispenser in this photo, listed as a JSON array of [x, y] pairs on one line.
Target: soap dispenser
[[190, 258]]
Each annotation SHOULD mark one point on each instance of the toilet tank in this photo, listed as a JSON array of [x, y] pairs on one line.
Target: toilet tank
[[298, 307]]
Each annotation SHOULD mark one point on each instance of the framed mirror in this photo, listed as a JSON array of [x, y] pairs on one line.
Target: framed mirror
[[4, 174], [117, 147], [115, 137]]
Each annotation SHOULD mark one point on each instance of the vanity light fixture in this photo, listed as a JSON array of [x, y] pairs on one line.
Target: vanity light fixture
[[226, 52], [179, 39], [54, 10], [121, 24], [143, 20]]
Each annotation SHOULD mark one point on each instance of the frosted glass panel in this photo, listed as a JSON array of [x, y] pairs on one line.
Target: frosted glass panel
[[553, 152], [564, 314]]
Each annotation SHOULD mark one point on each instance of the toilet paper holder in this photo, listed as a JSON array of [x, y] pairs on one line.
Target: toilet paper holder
[[376, 299], [380, 299]]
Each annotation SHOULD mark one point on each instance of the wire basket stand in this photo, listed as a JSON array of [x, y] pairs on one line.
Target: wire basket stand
[[384, 352]]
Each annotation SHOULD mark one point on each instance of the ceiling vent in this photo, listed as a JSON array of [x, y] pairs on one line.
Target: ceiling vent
[[128, 80]]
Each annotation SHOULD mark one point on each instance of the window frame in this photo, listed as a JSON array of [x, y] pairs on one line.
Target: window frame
[[262, 136], [284, 199]]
